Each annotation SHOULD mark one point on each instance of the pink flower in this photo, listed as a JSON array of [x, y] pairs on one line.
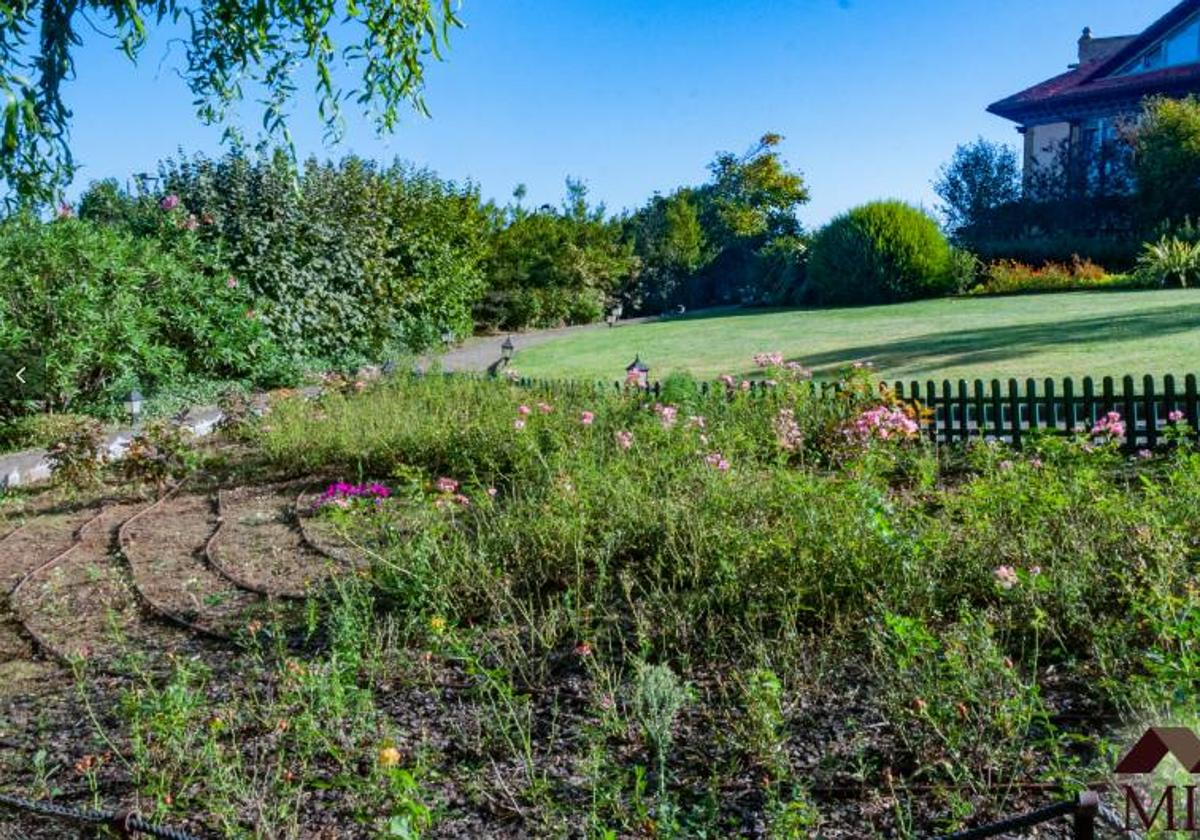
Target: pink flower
[[882, 423], [232, 283], [667, 414], [745, 386], [445, 485], [695, 422], [250, 313], [65, 211], [545, 408], [1145, 454], [462, 500], [1036, 463], [1005, 466], [518, 424], [586, 418], [523, 410], [624, 439], [583, 649], [1006, 576], [1109, 426], [727, 379], [191, 222], [766, 360], [169, 202], [491, 491], [798, 370], [717, 461], [1176, 416]]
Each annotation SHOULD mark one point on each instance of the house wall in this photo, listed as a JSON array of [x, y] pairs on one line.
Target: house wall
[[1042, 143]]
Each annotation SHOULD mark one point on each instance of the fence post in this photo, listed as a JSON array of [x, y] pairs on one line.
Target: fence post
[[997, 411], [1168, 397], [964, 424], [980, 414], [1087, 807], [1149, 408], [1052, 423], [1089, 402], [1069, 404], [931, 401], [1031, 403], [1014, 407], [1189, 405], [1130, 411], [948, 401], [1109, 399]]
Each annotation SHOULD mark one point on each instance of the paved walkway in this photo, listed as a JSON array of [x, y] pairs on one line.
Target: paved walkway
[[478, 354]]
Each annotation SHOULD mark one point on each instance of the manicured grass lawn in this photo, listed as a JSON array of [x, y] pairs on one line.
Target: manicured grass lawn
[[1074, 334]]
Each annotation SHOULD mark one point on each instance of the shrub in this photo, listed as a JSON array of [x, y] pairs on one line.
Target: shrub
[[1170, 261], [105, 310], [882, 252], [77, 458], [1011, 277], [352, 260], [157, 454]]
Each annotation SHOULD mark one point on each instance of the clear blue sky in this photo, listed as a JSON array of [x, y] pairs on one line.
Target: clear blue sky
[[636, 96]]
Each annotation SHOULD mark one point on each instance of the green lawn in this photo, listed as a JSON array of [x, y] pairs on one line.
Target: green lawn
[[1074, 334]]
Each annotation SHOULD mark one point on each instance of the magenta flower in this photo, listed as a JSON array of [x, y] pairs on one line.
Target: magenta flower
[[523, 410], [1176, 416], [766, 360], [545, 408], [624, 439], [445, 485], [169, 202], [717, 461], [586, 418], [232, 283]]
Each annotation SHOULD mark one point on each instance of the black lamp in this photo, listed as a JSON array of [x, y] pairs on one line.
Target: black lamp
[[637, 371], [507, 349], [447, 337], [389, 367]]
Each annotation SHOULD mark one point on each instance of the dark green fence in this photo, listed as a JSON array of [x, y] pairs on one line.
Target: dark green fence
[[957, 411], [1009, 411]]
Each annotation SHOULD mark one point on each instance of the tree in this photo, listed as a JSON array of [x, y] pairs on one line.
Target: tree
[[980, 177], [232, 44], [1168, 160], [670, 242], [753, 196]]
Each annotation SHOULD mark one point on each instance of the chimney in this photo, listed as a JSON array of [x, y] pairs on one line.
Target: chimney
[[1086, 52]]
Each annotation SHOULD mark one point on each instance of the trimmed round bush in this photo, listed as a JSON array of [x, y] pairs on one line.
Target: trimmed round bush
[[881, 252]]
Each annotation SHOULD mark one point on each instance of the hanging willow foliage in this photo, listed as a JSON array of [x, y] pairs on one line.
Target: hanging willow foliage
[[233, 44]]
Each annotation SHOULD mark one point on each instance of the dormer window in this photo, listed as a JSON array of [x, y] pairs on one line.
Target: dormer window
[[1153, 59]]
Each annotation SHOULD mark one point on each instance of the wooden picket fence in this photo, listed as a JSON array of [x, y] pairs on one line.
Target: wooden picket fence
[[959, 411]]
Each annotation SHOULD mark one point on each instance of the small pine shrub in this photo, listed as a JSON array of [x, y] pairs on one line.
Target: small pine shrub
[[882, 252]]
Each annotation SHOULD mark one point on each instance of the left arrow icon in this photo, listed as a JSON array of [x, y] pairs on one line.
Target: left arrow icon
[[21, 378]]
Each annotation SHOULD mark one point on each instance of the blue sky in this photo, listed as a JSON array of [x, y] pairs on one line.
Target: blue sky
[[635, 96]]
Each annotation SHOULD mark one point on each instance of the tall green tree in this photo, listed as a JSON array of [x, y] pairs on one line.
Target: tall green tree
[[232, 45], [1168, 160], [981, 177]]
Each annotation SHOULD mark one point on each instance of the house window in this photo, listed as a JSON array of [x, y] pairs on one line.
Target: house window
[[1154, 58]]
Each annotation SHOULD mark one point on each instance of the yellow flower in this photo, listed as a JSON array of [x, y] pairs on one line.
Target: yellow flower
[[389, 757], [437, 624]]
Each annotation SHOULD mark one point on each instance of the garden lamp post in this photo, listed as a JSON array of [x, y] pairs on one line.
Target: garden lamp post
[[637, 373], [133, 403], [506, 350], [447, 337], [389, 367]]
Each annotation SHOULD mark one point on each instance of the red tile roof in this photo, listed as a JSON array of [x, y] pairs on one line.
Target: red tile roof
[[1093, 83]]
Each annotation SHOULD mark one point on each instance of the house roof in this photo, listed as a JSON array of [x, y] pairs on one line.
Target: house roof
[[1092, 84]]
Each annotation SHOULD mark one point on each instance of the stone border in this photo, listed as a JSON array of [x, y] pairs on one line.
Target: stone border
[[28, 467]]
